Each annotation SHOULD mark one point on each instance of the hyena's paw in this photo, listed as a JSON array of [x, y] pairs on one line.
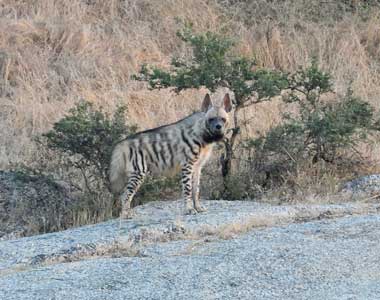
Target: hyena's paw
[[200, 208], [190, 211], [127, 214]]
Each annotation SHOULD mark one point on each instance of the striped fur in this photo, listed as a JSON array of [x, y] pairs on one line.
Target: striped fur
[[185, 145]]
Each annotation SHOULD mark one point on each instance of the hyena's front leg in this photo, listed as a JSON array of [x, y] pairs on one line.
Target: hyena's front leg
[[187, 178], [196, 178], [134, 182]]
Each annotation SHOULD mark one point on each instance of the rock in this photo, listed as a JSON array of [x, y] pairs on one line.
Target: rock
[[30, 204], [369, 184], [237, 250]]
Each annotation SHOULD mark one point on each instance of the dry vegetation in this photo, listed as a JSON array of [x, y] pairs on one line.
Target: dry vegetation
[[55, 53]]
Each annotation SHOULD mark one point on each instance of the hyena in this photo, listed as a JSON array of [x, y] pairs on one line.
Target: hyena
[[185, 145]]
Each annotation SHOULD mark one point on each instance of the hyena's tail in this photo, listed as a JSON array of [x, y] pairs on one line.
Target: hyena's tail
[[118, 169]]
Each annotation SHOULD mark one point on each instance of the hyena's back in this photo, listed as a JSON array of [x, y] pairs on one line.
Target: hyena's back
[[160, 150]]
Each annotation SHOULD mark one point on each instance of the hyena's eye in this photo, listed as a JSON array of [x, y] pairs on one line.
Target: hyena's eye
[[224, 120], [211, 120]]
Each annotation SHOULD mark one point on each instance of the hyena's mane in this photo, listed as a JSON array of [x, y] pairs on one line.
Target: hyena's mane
[[163, 127]]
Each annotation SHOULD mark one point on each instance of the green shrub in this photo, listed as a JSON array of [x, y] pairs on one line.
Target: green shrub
[[86, 137], [321, 131]]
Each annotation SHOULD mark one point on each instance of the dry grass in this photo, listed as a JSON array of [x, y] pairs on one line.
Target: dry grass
[[58, 52], [292, 215], [54, 53]]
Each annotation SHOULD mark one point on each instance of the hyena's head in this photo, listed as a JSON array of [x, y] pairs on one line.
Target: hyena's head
[[216, 118]]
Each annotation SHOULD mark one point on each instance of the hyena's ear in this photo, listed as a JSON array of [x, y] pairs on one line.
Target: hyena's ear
[[206, 104], [227, 104]]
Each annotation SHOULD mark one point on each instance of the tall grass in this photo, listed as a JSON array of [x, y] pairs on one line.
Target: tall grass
[[55, 53]]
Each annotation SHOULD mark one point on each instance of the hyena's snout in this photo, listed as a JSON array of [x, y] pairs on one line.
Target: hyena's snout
[[217, 126]]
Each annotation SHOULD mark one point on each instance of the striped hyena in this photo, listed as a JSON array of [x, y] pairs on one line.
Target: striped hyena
[[185, 145]]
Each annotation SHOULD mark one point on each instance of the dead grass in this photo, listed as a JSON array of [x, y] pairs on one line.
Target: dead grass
[[54, 53], [229, 231], [61, 51], [295, 214]]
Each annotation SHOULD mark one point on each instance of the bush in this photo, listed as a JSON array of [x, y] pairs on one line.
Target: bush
[[321, 131], [87, 136]]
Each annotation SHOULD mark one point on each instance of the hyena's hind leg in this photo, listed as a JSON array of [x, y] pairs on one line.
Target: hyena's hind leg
[[196, 179], [134, 182]]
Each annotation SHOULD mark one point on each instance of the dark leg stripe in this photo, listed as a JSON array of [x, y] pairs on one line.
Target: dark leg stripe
[[188, 164], [134, 182], [137, 175]]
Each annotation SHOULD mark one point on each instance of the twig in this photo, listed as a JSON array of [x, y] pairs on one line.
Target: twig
[[291, 157], [372, 197]]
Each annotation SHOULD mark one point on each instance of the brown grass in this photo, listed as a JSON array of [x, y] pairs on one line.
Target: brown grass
[[54, 53]]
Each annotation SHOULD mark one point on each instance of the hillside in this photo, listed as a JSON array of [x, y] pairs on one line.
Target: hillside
[[53, 54], [281, 225]]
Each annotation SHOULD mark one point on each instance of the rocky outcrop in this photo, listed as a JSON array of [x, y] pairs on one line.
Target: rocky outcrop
[[30, 204], [369, 185], [237, 250]]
